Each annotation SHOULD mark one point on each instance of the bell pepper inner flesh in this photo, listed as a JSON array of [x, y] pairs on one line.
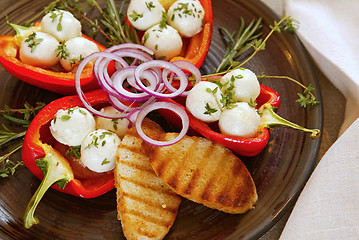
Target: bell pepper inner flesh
[[56, 169]]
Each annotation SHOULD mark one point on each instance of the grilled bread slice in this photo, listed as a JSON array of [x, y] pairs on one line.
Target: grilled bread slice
[[146, 206], [205, 172]]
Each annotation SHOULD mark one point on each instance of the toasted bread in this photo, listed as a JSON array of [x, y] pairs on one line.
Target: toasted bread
[[146, 206], [205, 172]]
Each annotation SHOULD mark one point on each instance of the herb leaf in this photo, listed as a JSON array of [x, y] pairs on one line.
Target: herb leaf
[[209, 109]]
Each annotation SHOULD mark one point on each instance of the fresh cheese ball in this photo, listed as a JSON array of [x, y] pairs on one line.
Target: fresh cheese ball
[[61, 24], [165, 42], [245, 82], [144, 14], [186, 16], [98, 150], [118, 126], [203, 101], [71, 126], [239, 121], [39, 49], [75, 50]]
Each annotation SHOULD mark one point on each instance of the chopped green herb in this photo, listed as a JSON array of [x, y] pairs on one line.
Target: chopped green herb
[[33, 41], [163, 23], [209, 109], [252, 103], [76, 60], [62, 51], [82, 112], [65, 117], [149, 5], [115, 123], [105, 161], [135, 16], [74, 151]]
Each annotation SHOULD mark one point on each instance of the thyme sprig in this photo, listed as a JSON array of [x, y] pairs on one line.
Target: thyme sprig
[[9, 167], [7, 136], [306, 98]]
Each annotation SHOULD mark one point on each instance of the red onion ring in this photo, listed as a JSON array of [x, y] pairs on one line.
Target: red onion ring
[[185, 66], [162, 105], [163, 64]]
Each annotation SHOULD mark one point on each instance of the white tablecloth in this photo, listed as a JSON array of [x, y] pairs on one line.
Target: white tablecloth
[[328, 207]]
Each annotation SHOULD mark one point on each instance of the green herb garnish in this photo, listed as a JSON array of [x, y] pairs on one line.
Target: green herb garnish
[[33, 41]]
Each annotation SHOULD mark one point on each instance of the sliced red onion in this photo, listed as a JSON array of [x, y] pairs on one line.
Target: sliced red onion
[[146, 80], [124, 94], [129, 46], [162, 105], [166, 65], [79, 91], [185, 66]]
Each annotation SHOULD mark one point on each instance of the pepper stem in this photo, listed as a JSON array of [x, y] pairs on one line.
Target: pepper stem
[[56, 170], [270, 119]]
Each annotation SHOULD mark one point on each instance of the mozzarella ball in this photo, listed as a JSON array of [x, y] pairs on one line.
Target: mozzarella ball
[[39, 49], [61, 24], [71, 126], [245, 82], [99, 149], [118, 126], [144, 14], [203, 101], [239, 121], [165, 42], [77, 49], [186, 16]]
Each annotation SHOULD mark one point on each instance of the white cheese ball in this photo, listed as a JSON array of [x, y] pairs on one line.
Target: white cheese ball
[[71, 126], [203, 103], [166, 43], [77, 49], [240, 121], [39, 49], [118, 126], [99, 149], [246, 85], [186, 16], [144, 14], [61, 24]]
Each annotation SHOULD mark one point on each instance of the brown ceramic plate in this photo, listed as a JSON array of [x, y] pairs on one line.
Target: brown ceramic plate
[[279, 172]]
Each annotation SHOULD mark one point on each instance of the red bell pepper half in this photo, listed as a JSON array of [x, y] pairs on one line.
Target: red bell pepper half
[[268, 102], [48, 164], [59, 82]]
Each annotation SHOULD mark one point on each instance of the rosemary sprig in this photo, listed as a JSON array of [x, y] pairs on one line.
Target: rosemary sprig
[[119, 31], [287, 22], [248, 38], [238, 43]]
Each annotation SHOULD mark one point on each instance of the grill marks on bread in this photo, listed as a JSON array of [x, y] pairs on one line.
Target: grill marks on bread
[[205, 172], [146, 206]]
